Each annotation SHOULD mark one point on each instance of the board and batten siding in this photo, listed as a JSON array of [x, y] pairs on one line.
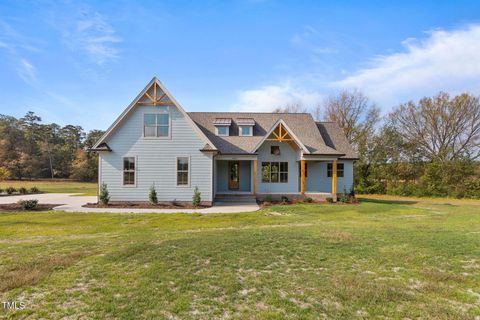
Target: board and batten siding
[[156, 159]]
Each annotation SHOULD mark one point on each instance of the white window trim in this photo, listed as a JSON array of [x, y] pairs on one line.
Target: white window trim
[[189, 172], [222, 135], [169, 125], [245, 135], [134, 185]]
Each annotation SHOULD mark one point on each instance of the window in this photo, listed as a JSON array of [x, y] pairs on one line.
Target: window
[[340, 170], [246, 130], [274, 172], [128, 171], [156, 125], [223, 131], [275, 150], [183, 164]]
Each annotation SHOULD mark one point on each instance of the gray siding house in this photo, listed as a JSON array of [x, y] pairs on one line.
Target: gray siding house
[[156, 142]]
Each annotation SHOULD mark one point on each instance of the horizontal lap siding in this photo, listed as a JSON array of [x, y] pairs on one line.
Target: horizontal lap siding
[[317, 180], [156, 160]]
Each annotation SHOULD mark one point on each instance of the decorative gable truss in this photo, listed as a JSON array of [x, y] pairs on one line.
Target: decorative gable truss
[[281, 132], [154, 93]]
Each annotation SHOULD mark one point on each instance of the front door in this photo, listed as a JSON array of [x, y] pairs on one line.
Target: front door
[[234, 175]]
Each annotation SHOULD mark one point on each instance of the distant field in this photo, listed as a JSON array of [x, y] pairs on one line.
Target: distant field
[[85, 188], [381, 259]]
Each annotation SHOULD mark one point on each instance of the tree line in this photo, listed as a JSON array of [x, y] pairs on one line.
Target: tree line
[[30, 149], [424, 148]]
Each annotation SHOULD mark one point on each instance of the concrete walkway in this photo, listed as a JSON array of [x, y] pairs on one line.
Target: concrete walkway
[[73, 203]]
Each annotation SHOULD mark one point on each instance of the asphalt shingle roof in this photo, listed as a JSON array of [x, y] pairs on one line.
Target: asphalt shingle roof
[[302, 126]]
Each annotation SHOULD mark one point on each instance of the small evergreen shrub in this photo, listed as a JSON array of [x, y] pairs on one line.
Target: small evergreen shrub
[[22, 190], [11, 190], [284, 199], [28, 204], [34, 190], [196, 199], [104, 196], [268, 198], [329, 199], [344, 196], [308, 200], [152, 196]]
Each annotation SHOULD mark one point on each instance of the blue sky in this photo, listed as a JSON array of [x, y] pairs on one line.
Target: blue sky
[[82, 62]]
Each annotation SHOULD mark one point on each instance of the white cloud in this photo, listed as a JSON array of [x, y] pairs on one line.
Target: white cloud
[[269, 97], [93, 35], [27, 72], [445, 60]]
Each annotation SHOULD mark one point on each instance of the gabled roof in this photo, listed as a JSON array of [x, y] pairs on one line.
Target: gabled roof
[[335, 138], [171, 101], [274, 126], [301, 125]]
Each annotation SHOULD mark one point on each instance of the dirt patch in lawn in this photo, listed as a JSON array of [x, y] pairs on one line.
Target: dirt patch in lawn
[[141, 205], [7, 207]]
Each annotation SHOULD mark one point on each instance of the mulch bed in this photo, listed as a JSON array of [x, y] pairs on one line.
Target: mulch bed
[[131, 205], [17, 207]]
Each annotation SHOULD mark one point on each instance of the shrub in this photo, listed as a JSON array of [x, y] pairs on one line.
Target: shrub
[[104, 196], [34, 190], [344, 196], [307, 200], [329, 199], [196, 199], [11, 190], [4, 173], [152, 196], [268, 198], [28, 204], [22, 190], [284, 199]]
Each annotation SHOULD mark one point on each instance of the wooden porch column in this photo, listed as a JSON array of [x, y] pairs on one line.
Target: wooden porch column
[[254, 176], [302, 176], [334, 180]]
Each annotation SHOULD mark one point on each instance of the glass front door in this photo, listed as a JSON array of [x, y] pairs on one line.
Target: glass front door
[[234, 175]]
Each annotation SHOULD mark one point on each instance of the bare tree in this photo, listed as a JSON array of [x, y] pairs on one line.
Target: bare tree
[[353, 112], [296, 107], [440, 127]]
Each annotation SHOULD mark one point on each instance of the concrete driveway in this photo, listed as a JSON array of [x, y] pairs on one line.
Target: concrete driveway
[[73, 203]]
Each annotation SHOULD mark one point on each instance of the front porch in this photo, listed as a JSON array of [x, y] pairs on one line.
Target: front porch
[[235, 177]]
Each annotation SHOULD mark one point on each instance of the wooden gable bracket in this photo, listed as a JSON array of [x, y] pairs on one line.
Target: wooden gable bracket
[[156, 100], [280, 135]]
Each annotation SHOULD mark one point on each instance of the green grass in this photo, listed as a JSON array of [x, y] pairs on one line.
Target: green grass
[[375, 260], [84, 188]]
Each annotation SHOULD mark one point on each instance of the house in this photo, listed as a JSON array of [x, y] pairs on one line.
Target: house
[[156, 142]]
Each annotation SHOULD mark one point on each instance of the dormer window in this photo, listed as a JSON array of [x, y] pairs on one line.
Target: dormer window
[[246, 130], [223, 131], [222, 126], [245, 126]]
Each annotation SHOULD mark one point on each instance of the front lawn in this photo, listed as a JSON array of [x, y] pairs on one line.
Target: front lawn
[[378, 259], [47, 186]]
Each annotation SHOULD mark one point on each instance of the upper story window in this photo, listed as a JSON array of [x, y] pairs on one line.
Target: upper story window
[[223, 131], [340, 170], [156, 125], [129, 171], [246, 130]]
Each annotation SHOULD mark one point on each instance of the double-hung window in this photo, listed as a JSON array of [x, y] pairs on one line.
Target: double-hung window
[[273, 172], [129, 171], [183, 171], [340, 170], [156, 125]]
